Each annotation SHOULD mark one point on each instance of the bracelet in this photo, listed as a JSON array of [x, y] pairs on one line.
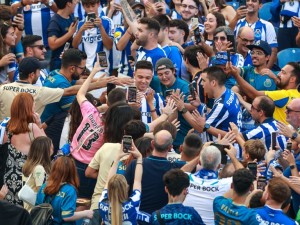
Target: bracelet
[[153, 110], [139, 163]]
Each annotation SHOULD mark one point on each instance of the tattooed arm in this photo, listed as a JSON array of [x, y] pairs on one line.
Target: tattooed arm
[[129, 15]]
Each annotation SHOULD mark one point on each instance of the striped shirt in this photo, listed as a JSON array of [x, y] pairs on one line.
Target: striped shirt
[[263, 30], [145, 109], [3, 125], [263, 133]]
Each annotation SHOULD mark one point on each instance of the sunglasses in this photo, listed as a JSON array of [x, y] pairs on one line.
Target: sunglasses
[[216, 38], [288, 110], [41, 47], [188, 6]]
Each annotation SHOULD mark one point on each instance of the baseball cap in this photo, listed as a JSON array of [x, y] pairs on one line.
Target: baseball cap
[[134, 3], [164, 63], [263, 45], [31, 64]]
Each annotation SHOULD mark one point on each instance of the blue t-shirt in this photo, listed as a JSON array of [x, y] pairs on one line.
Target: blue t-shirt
[[64, 203], [228, 213], [183, 86], [177, 214], [248, 59], [57, 80], [259, 82], [58, 27], [174, 55], [267, 215], [129, 208]]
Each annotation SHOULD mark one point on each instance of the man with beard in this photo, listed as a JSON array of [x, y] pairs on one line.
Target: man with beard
[[258, 75], [189, 10], [263, 30], [147, 38], [288, 81], [73, 64], [262, 110]]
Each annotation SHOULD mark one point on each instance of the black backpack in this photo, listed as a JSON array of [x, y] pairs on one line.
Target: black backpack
[[42, 214]]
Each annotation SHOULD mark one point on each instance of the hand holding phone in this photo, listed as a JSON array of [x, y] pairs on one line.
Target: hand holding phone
[[274, 140], [231, 38], [102, 59], [192, 90], [223, 152], [91, 17], [131, 94]]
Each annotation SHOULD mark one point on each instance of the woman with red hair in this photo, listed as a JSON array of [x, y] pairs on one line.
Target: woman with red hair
[[23, 126], [61, 192]]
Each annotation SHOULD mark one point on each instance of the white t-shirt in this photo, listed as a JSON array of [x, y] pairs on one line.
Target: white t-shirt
[[202, 193]]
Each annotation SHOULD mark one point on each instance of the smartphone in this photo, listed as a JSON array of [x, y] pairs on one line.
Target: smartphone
[[102, 59], [127, 143], [231, 38], [75, 19], [67, 46], [20, 10], [131, 94], [222, 150], [252, 166], [192, 90], [130, 58], [91, 17], [274, 140], [110, 87], [289, 146], [169, 93], [197, 35], [228, 56], [261, 183], [195, 22]]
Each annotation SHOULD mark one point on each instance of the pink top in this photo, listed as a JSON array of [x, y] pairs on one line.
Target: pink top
[[89, 135]]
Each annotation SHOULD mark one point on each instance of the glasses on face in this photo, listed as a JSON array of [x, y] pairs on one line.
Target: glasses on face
[[222, 38], [189, 6], [288, 110], [245, 40], [253, 108], [41, 47], [259, 53]]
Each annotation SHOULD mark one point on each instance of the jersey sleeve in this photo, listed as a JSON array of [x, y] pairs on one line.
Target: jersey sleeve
[[253, 134], [280, 97], [68, 205], [95, 163], [271, 36], [108, 26], [53, 29], [39, 175], [50, 95], [87, 108], [213, 118]]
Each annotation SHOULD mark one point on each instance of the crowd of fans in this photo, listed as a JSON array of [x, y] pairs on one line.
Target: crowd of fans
[[149, 112]]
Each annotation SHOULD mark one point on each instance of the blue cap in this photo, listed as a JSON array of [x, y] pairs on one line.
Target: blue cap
[[263, 45]]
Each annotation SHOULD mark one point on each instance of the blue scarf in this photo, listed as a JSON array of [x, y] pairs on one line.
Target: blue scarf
[[207, 174]]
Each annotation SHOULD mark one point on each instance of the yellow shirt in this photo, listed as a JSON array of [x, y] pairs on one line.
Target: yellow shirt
[[281, 99]]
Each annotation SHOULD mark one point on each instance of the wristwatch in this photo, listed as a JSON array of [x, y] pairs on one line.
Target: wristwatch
[[184, 110], [292, 167], [294, 135], [206, 126]]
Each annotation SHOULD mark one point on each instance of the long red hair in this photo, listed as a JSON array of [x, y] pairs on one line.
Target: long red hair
[[21, 112], [63, 171]]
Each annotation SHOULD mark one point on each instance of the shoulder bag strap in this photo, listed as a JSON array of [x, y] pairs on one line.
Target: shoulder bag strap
[[31, 134], [159, 219]]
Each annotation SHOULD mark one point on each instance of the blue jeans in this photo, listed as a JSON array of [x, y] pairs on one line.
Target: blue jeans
[[87, 185]]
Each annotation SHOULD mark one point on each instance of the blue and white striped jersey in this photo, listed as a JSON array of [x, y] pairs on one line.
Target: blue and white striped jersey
[[91, 41], [263, 133], [225, 109], [3, 125], [173, 53], [263, 30], [145, 109], [36, 19], [175, 15]]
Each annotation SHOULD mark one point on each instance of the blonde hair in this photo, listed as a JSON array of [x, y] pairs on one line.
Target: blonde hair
[[117, 194]]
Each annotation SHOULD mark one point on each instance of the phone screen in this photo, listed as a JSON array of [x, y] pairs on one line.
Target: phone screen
[[289, 146], [192, 90], [252, 166], [197, 35], [91, 17], [231, 38], [228, 56], [127, 143], [169, 93], [261, 183], [102, 59], [223, 153], [130, 57], [274, 140], [67, 46], [110, 87], [131, 94], [20, 10]]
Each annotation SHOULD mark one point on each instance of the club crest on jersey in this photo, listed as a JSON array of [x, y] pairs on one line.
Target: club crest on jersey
[[257, 34]]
